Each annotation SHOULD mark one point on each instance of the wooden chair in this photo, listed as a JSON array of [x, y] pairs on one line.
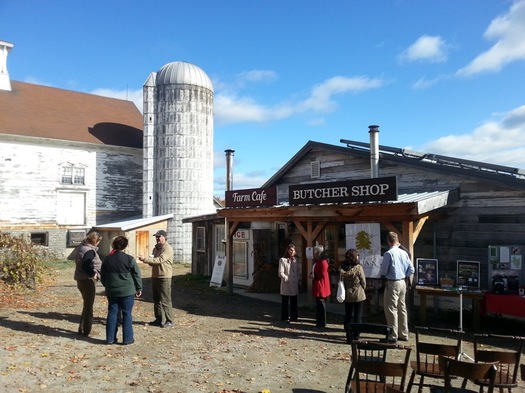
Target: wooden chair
[[428, 353], [506, 350], [468, 371], [374, 376], [369, 332]]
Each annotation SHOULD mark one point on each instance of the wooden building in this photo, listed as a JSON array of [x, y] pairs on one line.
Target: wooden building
[[446, 208]]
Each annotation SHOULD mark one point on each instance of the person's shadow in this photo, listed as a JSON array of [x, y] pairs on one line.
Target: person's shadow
[[47, 330]]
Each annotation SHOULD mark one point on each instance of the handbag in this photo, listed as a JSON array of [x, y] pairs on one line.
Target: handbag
[[341, 292]]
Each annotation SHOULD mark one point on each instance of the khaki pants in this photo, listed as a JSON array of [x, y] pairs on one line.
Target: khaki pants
[[161, 290], [396, 309]]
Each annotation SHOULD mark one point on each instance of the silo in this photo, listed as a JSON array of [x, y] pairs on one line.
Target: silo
[[178, 149]]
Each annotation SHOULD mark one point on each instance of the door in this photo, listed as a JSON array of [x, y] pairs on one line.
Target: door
[[142, 243], [243, 257]]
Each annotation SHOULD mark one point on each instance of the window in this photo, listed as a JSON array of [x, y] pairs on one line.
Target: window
[[79, 175], [73, 174], [315, 167], [220, 240], [39, 238], [201, 239]]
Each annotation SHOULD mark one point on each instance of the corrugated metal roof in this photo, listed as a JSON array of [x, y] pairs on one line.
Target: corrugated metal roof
[[134, 223]]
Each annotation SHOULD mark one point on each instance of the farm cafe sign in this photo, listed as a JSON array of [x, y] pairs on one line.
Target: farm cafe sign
[[367, 190], [252, 197]]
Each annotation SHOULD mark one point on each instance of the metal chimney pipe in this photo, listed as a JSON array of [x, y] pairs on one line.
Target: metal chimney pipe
[[374, 151], [229, 169]]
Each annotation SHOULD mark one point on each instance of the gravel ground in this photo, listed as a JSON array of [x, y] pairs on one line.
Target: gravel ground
[[220, 343]]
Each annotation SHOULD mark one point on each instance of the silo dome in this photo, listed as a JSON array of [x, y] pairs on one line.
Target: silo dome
[[181, 72]]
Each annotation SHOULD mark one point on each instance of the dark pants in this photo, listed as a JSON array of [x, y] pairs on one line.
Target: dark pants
[[117, 305], [353, 312], [320, 312], [285, 316], [161, 289], [88, 290]]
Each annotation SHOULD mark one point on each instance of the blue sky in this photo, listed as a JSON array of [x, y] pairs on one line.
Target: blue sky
[[445, 77]]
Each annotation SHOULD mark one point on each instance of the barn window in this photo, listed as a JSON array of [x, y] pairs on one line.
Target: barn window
[[73, 174], [315, 171], [201, 239], [40, 238]]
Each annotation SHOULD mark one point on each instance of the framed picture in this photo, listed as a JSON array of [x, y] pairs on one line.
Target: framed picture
[[427, 271], [468, 274]]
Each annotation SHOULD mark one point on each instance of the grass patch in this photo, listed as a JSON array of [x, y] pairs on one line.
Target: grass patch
[[59, 265]]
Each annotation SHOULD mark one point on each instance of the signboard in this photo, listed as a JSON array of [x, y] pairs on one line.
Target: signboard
[[366, 239], [427, 271], [252, 197], [241, 234], [366, 190], [218, 271], [506, 268], [468, 274]]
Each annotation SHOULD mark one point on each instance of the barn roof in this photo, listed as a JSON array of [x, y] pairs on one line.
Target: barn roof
[[47, 112]]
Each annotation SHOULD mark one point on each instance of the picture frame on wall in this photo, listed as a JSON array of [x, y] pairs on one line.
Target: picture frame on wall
[[427, 272], [468, 274]]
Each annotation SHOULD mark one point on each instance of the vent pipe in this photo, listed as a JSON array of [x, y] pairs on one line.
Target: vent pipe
[[229, 169], [5, 82], [374, 151]]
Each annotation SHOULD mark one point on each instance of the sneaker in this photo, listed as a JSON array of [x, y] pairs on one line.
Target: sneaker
[[155, 323], [166, 325], [129, 343]]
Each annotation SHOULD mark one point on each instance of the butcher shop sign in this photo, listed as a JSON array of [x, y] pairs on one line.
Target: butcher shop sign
[[366, 190]]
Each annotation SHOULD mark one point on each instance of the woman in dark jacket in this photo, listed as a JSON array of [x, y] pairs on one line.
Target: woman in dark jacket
[[354, 280], [121, 277], [87, 267]]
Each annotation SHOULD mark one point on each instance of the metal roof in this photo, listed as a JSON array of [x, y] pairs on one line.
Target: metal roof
[[180, 72], [133, 223]]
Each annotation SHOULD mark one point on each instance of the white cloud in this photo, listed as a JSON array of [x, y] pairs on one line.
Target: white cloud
[[509, 33], [258, 75], [128, 95], [231, 108], [321, 97], [430, 49], [499, 141]]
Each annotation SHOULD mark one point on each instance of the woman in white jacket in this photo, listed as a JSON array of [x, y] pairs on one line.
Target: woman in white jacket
[[289, 272]]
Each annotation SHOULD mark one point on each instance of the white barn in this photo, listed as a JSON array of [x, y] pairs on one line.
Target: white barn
[[68, 161]]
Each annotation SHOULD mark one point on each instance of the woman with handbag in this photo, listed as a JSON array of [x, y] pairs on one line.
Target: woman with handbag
[[289, 273], [353, 277]]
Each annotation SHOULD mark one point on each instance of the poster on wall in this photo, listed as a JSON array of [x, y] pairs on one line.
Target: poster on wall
[[366, 239], [506, 268], [427, 271], [468, 274]]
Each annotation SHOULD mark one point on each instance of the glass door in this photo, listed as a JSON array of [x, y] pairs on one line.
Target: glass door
[[240, 259]]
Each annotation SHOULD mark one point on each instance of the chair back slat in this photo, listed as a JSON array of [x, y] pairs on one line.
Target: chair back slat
[[506, 350], [469, 371], [374, 375]]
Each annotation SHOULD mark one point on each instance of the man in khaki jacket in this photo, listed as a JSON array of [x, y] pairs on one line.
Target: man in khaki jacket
[[161, 262]]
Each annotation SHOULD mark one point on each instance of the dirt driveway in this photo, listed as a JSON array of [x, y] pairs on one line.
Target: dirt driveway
[[220, 343]]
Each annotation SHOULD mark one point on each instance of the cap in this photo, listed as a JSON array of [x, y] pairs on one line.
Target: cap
[[161, 233]]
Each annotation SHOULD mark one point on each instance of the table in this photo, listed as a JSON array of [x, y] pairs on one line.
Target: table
[[505, 304], [475, 296]]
